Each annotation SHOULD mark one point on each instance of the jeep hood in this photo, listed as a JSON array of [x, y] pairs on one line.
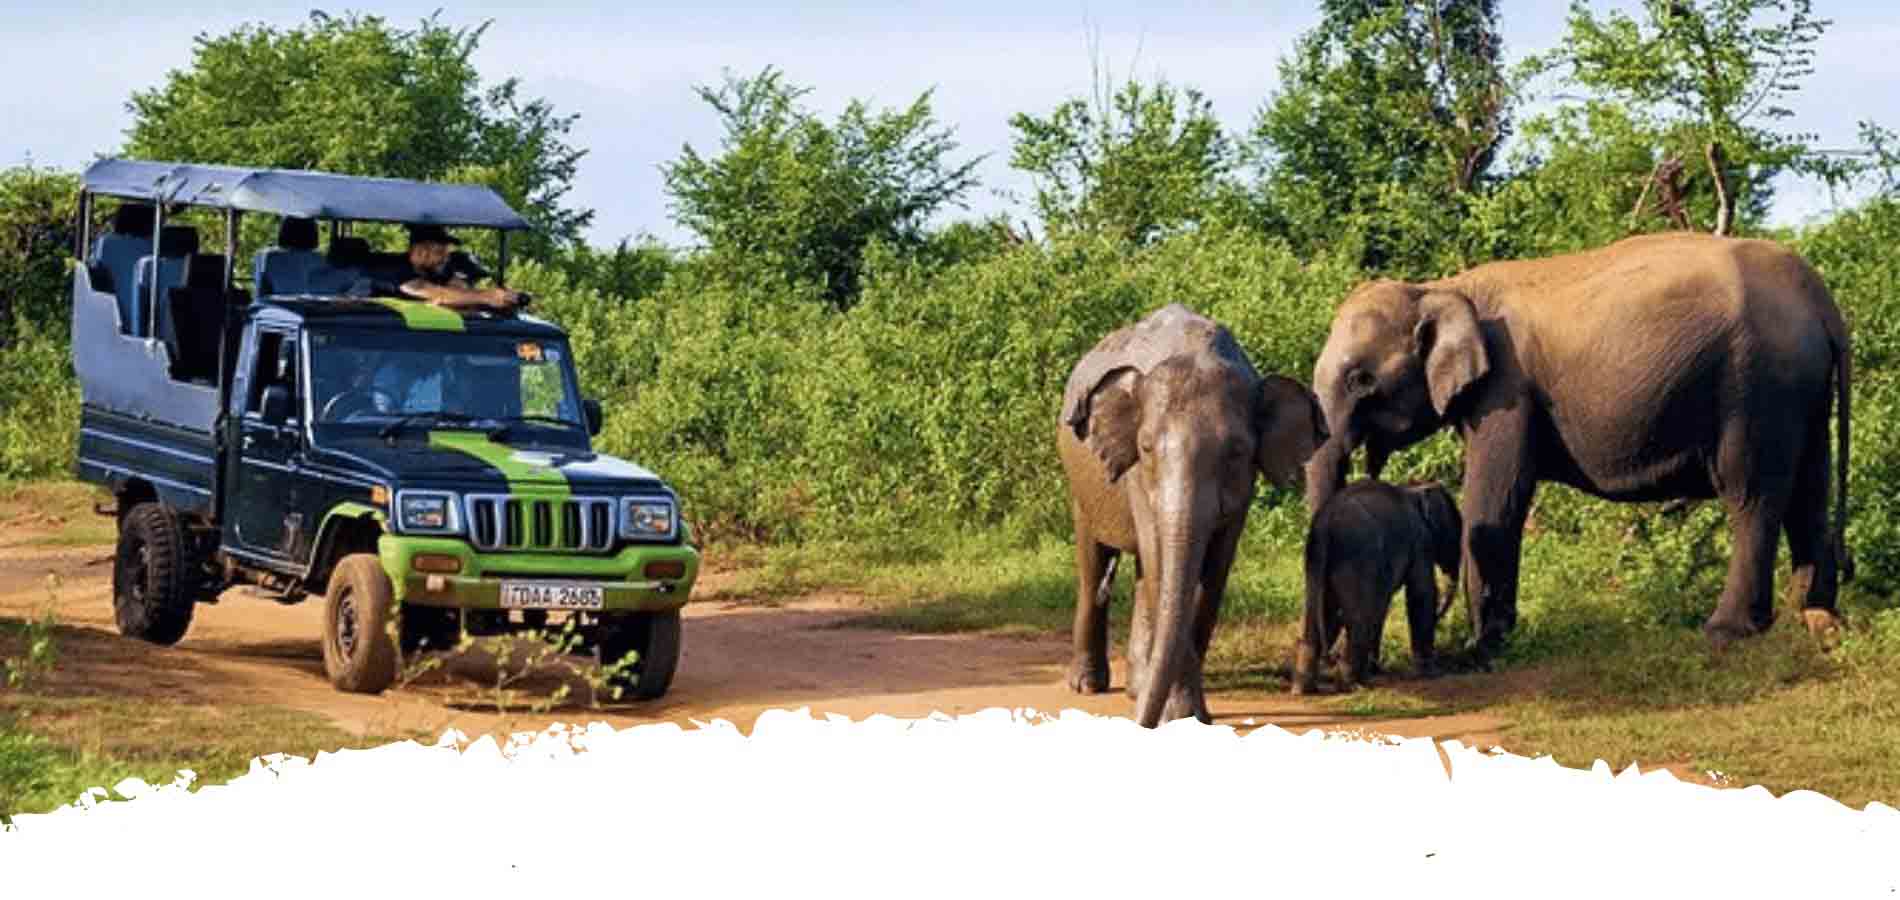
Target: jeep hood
[[469, 462]]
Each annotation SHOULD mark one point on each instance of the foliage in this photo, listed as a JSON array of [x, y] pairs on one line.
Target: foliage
[[1708, 79], [1134, 165], [39, 408], [355, 95], [1386, 123], [629, 271], [36, 239], [793, 200]]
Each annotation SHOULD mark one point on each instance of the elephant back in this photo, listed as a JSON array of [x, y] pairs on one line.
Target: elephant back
[[1170, 331]]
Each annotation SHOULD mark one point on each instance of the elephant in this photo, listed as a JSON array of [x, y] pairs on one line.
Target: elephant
[[1164, 426], [1371, 539], [1678, 366]]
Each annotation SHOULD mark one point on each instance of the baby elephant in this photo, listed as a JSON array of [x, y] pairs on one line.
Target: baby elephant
[[1370, 539]]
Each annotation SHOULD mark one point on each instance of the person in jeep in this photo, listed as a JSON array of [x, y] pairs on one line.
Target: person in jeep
[[429, 278]]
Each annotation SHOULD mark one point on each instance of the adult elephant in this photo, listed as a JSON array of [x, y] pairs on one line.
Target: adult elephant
[[1165, 424], [1671, 366]]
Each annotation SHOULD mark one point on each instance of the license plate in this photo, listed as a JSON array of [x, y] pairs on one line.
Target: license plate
[[551, 595]]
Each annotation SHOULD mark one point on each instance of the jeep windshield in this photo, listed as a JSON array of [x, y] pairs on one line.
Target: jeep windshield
[[391, 382]]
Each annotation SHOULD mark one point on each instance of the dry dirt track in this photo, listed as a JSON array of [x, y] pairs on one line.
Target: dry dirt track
[[739, 659]]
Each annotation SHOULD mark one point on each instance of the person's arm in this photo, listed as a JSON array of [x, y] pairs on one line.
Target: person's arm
[[460, 296]]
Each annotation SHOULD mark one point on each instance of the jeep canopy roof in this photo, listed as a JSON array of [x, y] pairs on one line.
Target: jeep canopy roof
[[301, 194]]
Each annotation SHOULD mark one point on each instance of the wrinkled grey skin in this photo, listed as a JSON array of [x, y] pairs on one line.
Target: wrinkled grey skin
[[1371, 539], [1163, 430], [1661, 367]]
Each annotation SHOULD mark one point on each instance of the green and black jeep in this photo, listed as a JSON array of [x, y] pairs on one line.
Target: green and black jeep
[[429, 472]]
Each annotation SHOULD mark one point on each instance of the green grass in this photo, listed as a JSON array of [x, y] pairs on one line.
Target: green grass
[[53, 514], [52, 749], [1607, 660]]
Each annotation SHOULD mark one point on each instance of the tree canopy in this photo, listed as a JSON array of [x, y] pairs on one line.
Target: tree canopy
[[356, 95], [791, 196]]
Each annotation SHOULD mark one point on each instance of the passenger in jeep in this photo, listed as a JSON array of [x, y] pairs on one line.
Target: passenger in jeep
[[428, 277]]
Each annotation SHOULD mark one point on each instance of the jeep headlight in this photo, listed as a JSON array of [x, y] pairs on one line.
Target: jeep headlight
[[645, 518], [427, 512]]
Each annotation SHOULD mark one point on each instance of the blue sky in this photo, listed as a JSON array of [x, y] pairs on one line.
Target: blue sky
[[628, 71]]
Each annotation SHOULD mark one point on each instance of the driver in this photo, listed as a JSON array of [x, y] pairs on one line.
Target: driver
[[415, 385], [428, 278]]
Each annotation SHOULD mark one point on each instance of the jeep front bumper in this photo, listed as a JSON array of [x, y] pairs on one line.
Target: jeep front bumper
[[477, 583]]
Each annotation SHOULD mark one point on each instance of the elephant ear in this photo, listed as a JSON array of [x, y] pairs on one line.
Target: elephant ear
[[1110, 419], [1448, 340], [1289, 426]]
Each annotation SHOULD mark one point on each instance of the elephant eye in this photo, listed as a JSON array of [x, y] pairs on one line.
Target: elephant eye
[[1360, 382]]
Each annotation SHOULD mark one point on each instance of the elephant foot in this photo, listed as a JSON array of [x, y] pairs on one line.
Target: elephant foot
[[1724, 633], [1086, 677], [1825, 624], [1303, 686], [1428, 667]]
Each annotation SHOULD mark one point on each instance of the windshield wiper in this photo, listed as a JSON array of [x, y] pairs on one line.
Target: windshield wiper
[[389, 431], [509, 422]]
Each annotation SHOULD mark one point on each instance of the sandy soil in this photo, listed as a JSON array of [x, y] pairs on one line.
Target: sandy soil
[[740, 658]]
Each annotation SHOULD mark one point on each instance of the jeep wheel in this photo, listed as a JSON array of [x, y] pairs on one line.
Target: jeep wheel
[[359, 651], [656, 638], [151, 597]]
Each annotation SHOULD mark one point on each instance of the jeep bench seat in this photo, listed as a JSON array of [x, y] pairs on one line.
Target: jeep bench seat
[[175, 243], [118, 251], [191, 321], [287, 268]]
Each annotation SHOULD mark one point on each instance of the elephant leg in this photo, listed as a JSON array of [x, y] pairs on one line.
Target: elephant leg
[[1752, 473], [1363, 634], [1421, 615], [1815, 581], [1500, 483], [1094, 577], [1141, 629], [1215, 569]]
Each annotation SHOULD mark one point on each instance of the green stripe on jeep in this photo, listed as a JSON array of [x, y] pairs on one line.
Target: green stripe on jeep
[[525, 477], [424, 316]]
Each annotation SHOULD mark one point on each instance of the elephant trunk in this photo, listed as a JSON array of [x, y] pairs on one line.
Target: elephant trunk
[[1172, 654], [1326, 471]]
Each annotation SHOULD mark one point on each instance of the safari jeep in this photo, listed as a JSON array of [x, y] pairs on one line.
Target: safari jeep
[[429, 473]]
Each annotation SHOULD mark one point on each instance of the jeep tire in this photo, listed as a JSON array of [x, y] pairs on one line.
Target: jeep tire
[[152, 579], [359, 648], [655, 636]]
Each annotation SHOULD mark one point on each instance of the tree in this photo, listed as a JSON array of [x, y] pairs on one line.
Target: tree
[[792, 197], [1137, 164], [37, 209], [1386, 125], [358, 96], [629, 271], [1708, 78]]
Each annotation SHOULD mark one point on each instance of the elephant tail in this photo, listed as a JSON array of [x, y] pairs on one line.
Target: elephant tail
[[1843, 378]]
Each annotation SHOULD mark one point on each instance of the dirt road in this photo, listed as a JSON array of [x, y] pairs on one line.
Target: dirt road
[[740, 658]]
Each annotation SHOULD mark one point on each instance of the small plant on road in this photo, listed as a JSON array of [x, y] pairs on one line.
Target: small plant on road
[[39, 649]]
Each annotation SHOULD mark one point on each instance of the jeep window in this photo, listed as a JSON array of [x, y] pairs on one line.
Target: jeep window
[[275, 364], [371, 377]]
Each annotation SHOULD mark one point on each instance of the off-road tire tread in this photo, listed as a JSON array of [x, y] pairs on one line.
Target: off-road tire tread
[[372, 667], [656, 637], [166, 614]]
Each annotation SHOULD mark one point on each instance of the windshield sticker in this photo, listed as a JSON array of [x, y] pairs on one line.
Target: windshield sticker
[[529, 351]]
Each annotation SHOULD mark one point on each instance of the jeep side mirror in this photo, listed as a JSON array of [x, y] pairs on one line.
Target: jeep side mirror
[[275, 404], [591, 408]]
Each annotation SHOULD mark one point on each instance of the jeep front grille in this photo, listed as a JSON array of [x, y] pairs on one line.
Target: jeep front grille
[[544, 524]]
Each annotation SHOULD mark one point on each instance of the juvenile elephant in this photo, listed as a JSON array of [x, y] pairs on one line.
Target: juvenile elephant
[[1164, 425], [1369, 540], [1670, 366]]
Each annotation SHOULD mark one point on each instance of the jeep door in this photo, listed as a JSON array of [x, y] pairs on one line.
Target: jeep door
[[265, 482]]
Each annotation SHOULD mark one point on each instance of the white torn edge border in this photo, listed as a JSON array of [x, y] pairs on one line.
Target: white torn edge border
[[1014, 802]]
